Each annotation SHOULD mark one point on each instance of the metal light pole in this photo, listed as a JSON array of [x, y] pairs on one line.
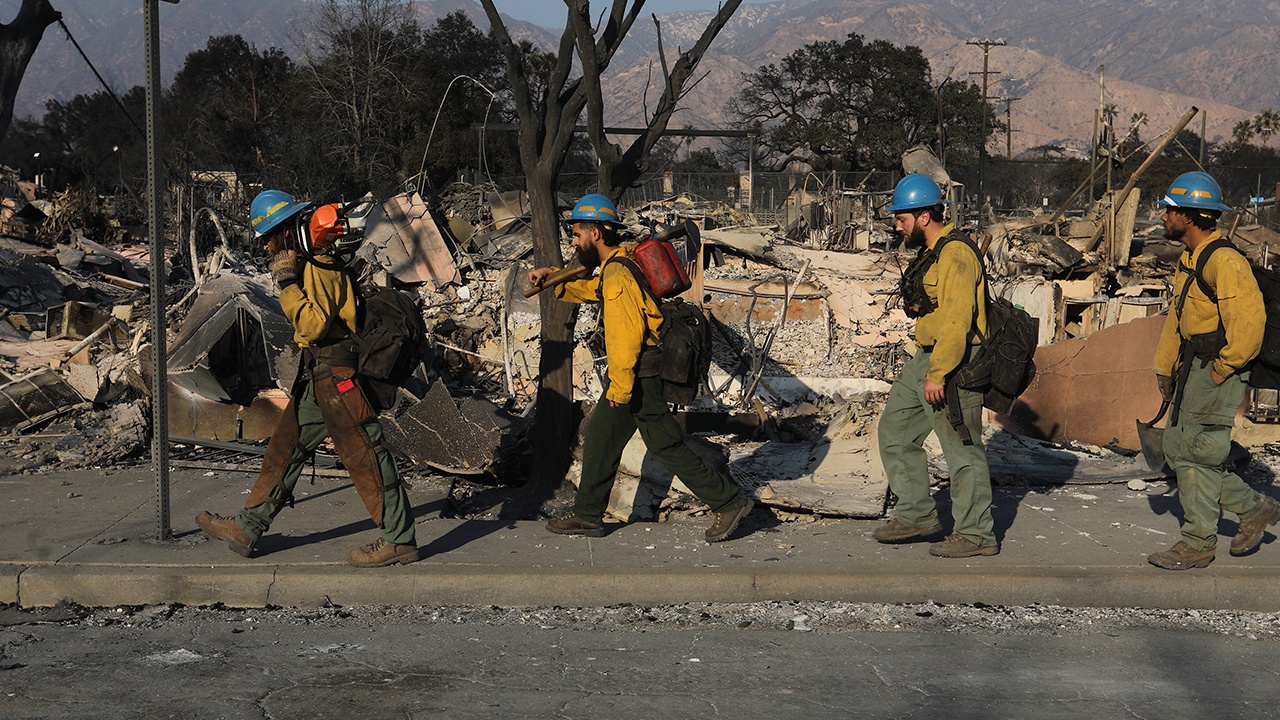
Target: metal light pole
[[155, 219]]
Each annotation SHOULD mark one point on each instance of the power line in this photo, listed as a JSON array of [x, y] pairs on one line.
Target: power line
[[105, 86]]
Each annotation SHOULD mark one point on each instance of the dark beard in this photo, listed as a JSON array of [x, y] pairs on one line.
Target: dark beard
[[589, 257], [1174, 235], [916, 239]]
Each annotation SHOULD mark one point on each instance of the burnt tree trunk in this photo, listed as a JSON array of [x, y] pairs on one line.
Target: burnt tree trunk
[[549, 105], [18, 42], [548, 108]]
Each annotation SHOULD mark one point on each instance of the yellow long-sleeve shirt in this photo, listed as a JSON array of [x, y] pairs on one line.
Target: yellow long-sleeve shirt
[[627, 311], [952, 283], [1240, 307], [322, 306]]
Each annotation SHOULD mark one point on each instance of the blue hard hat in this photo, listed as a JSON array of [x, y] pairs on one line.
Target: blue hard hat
[[914, 192], [272, 207], [595, 208], [1197, 190]]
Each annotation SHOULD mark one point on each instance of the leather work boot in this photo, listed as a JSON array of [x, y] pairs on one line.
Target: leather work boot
[[1249, 536], [381, 553], [896, 532], [573, 525], [726, 522], [1181, 557], [959, 546], [220, 527]]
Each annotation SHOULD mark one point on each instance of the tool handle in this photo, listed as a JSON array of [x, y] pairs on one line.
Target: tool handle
[[555, 278], [562, 276], [672, 233], [1164, 406]]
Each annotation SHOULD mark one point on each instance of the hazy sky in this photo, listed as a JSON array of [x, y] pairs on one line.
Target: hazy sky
[[552, 12]]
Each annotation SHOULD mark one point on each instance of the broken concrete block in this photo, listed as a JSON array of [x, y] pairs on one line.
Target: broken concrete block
[[841, 477], [85, 379], [402, 238], [851, 305]]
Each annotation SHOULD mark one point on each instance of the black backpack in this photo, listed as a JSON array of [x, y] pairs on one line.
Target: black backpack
[[684, 342], [1004, 365], [391, 342], [1266, 368]]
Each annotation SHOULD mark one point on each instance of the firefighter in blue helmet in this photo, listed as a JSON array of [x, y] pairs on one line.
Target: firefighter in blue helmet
[[633, 398], [1211, 335], [318, 296], [944, 290]]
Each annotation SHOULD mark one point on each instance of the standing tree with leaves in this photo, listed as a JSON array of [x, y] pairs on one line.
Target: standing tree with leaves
[[856, 105], [458, 80], [1242, 132], [1266, 124], [230, 107], [549, 99]]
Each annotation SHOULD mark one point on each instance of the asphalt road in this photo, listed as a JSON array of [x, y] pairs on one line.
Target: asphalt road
[[772, 660]]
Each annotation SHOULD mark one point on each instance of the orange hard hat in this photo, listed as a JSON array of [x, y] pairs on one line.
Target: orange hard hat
[[328, 226]]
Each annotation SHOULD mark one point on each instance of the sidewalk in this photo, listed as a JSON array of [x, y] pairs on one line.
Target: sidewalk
[[88, 537]]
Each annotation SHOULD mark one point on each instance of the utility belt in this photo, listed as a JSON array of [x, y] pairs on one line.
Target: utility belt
[[341, 353], [1205, 347]]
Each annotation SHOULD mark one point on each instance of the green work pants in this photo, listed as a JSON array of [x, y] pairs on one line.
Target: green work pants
[[906, 422], [397, 514], [1196, 448], [608, 432]]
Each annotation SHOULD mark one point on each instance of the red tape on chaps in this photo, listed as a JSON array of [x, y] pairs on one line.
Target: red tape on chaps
[[344, 408], [343, 413]]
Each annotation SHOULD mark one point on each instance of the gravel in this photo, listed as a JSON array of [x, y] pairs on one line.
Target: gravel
[[818, 617]]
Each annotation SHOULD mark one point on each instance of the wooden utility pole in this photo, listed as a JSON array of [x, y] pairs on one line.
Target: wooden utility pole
[[1008, 126], [986, 44]]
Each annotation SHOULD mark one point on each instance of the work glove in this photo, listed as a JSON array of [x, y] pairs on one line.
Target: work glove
[[1165, 383], [284, 267]]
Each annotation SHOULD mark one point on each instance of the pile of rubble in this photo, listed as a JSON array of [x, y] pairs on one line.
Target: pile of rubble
[[808, 335]]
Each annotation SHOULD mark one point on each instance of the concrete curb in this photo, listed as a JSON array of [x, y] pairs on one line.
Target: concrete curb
[[427, 584]]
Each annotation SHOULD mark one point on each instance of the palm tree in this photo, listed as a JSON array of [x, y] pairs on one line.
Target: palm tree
[[1136, 121], [1266, 124], [1242, 132]]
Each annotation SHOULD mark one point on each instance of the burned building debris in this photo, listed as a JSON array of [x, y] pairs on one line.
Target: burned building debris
[[808, 332]]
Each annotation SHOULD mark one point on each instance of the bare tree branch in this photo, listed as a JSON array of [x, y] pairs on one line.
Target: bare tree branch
[[618, 168]]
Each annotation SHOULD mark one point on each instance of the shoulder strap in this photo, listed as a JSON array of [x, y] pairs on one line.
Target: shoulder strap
[[1197, 273], [982, 266], [358, 293], [636, 273]]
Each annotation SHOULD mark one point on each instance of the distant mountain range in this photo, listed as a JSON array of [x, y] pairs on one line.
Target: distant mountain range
[[1157, 58]]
